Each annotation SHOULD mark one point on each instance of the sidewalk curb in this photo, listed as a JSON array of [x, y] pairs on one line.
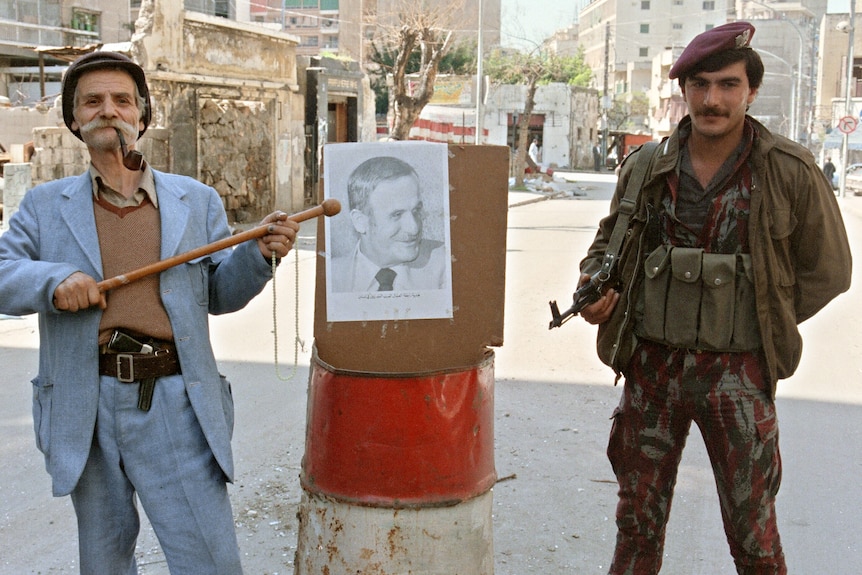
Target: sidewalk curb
[[538, 199]]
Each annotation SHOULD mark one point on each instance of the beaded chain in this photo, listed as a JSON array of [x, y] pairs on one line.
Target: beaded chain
[[297, 342]]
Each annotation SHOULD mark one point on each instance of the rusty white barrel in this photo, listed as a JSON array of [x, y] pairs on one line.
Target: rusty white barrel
[[398, 472]]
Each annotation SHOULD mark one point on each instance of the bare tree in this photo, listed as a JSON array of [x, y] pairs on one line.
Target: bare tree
[[531, 70], [419, 41], [624, 111]]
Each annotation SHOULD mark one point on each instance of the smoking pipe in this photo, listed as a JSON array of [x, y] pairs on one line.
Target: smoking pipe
[[132, 159]]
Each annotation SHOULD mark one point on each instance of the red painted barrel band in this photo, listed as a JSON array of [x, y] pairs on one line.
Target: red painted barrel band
[[420, 440]]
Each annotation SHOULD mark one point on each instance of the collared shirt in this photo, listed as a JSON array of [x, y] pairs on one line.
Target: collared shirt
[[716, 216], [356, 273], [364, 274], [146, 189]]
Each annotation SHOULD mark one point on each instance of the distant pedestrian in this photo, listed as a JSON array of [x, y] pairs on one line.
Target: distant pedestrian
[[829, 170], [534, 151], [597, 157]]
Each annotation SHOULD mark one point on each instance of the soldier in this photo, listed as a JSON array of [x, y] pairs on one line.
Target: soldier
[[736, 238]]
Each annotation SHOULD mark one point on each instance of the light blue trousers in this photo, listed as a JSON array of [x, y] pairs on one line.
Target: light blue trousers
[[162, 457]]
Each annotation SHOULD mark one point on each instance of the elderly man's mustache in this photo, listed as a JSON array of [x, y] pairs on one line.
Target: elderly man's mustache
[[128, 129]]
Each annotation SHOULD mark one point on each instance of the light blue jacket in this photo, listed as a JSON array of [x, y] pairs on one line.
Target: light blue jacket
[[53, 235]]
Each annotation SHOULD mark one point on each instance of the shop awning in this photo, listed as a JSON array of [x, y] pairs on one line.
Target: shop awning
[[835, 138]]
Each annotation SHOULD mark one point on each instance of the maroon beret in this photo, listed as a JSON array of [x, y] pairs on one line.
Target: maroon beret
[[718, 39]]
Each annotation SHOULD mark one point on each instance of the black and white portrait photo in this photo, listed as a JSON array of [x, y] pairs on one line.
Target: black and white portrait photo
[[388, 251]]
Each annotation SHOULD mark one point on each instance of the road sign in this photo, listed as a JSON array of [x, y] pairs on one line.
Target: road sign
[[847, 124]]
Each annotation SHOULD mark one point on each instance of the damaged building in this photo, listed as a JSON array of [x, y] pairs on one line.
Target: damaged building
[[227, 105]]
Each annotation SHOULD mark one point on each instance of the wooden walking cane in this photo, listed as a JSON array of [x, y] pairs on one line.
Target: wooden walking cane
[[329, 207]]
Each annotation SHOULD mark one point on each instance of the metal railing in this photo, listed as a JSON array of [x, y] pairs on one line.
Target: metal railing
[[26, 35]]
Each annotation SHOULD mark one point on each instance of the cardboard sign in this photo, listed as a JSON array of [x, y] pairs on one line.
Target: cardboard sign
[[478, 210]]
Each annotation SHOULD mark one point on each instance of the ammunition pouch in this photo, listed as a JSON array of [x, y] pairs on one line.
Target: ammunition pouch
[[698, 300]]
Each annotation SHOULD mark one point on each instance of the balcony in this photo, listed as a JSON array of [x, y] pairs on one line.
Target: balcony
[[23, 35]]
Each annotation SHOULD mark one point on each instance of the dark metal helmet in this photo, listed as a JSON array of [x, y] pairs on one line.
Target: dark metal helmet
[[101, 61]]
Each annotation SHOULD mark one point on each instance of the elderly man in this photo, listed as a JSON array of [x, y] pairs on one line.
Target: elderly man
[[128, 400], [735, 239]]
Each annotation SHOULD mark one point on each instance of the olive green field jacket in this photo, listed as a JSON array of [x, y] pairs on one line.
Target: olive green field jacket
[[799, 248]]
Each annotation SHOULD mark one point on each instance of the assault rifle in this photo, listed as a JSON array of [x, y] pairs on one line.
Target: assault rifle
[[588, 293], [591, 291]]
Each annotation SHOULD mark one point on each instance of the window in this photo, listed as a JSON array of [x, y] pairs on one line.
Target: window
[[677, 26], [643, 52], [709, 5], [644, 28], [644, 4], [85, 20]]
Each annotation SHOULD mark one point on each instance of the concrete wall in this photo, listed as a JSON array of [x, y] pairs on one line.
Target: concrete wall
[[226, 111], [227, 93], [584, 119], [570, 115], [17, 124], [58, 154]]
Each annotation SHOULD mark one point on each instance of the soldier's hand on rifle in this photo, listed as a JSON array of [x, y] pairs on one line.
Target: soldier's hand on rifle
[[600, 311]]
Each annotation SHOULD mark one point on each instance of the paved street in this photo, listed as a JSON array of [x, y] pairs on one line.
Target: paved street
[[554, 503]]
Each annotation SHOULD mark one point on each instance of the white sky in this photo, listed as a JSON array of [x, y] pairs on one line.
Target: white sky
[[840, 6], [527, 22]]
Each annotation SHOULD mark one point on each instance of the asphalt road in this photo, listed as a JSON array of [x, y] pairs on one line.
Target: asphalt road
[[554, 503]]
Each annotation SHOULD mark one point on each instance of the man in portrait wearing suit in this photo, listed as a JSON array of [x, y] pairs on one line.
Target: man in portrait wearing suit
[[386, 210]]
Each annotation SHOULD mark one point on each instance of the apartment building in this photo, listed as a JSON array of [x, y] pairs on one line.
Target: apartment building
[[621, 38], [345, 28], [833, 91], [29, 70], [564, 41], [631, 45], [317, 23]]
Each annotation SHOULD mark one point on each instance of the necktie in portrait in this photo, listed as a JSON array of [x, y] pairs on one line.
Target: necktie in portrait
[[384, 278]]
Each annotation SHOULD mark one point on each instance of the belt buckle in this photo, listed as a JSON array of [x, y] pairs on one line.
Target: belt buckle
[[130, 361]]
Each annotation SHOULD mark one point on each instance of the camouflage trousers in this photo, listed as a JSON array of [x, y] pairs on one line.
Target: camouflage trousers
[[726, 396]]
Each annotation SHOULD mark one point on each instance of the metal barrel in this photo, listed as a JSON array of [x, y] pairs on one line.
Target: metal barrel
[[398, 472]]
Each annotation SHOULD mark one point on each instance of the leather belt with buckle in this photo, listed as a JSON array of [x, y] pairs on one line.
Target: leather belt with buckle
[[132, 367]]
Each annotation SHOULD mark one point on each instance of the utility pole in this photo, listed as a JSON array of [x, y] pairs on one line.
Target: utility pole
[[361, 36], [606, 104], [848, 97], [477, 139]]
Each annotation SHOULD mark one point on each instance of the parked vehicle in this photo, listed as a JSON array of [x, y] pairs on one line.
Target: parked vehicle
[[853, 183], [620, 145]]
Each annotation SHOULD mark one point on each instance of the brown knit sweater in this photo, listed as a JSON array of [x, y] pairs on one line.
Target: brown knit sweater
[[130, 238]]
